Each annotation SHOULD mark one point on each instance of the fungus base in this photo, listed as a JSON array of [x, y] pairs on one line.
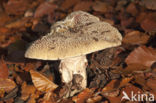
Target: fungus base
[[73, 70]]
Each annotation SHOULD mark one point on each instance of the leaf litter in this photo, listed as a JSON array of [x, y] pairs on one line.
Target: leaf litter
[[130, 67]]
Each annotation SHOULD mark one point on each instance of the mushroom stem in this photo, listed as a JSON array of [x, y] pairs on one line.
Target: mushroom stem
[[73, 66]]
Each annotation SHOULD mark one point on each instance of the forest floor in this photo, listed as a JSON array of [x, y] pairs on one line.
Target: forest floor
[[114, 73]]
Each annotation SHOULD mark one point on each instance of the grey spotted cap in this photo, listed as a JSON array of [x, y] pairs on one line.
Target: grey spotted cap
[[79, 34]]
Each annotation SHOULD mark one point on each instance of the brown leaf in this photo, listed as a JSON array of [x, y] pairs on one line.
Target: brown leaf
[[142, 55], [16, 7], [116, 84], [31, 65], [7, 84], [19, 24], [112, 85], [41, 82], [46, 8], [84, 6], [141, 16], [9, 39], [125, 81], [131, 8], [27, 91], [95, 99], [127, 22], [68, 4], [135, 38], [141, 80], [3, 69], [102, 7], [152, 84], [149, 23], [83, 96], [128, 90], [4, 18], [149, 4], [132, 68]]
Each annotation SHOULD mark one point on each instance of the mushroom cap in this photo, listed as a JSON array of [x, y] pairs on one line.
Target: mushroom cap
[[76, 40]]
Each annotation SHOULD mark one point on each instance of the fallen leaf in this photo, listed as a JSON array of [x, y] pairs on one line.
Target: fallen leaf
[[149, 23], [141, 80], [128, 90], [83, 5], [9, 39], [66, 4], [95, 99], [133, 68], [112, 85], [83, 96], [132, 9], [141, 16], [102, 7], [31, 65], [149, 4], [41, 82], [4, 18], [46, 8], [127, 22], [19, 24], [116, 84], [3, 69], [7, 84], [135, 38], [142, 55], [125, 81], [27, 91], [16, 7], [152, 84]]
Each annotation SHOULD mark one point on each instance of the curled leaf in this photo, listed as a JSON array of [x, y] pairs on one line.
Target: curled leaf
[[7, 84], [41, 82], [142, 55]]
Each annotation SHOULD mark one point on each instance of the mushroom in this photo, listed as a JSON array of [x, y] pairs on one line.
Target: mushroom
[[70, 40]]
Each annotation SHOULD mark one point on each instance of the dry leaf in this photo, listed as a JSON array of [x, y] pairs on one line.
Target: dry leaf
[[7, 84], [83, 5], [152, 84], [149, 4], [125, 81], [16, 7], [135, 38], [141, 16], [102, 7], [142, 55], [149, 23], [4, 18], [112, 88], [131, 8], [95, 99], [132, 68], [112, 85], [41, 82], [68, 4], [27, 91], [83, 96], [3, 69], [116, 84], [141, 80], [44, 9], [128, 90], [19, 24]]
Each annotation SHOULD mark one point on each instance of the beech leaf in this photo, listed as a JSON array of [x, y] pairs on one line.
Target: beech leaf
[[142, 55], [41, 82]]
